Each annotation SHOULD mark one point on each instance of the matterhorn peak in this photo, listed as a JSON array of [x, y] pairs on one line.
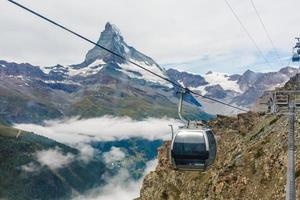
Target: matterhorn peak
[[112, 28], [111, 39], [98, 58], [111, 36]]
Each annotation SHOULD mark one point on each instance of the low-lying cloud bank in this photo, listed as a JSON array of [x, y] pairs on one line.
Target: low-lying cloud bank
[[78, 133], [120, 186], [106, 128]]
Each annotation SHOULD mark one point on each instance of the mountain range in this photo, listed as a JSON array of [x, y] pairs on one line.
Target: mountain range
[[251, 162], [36, 167], [239, 89], [107, 84], [102, 84]]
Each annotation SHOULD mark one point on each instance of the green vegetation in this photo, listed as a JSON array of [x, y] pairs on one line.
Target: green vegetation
[[136, 106], [18, 148], [274, 120], [42, 183], [138, 152], [19, 107]]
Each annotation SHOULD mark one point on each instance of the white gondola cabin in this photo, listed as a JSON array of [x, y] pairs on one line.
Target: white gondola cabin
[[193, 149], [193, 146]]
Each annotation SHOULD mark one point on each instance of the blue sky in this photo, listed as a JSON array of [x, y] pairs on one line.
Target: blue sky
[[234, 63], [193, 35]]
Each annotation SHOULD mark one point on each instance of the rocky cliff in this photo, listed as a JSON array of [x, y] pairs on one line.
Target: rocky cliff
[[251, 163]]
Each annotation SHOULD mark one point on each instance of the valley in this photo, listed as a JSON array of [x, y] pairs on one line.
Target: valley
[[58, 129]]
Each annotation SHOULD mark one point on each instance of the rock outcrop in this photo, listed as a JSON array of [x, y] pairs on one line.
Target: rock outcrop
[[251, 164]]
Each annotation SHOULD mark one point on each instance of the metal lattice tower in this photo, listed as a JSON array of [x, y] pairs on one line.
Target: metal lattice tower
[[287, 102], [290, 184]]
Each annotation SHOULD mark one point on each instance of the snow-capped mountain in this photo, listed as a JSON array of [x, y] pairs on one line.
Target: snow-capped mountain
[[242, 90], [96, 59], [102, 84], [107, 84]]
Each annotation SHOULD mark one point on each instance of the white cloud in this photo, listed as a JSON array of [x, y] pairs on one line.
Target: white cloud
[[120, 186], [115, 154], [77, 133], [150, 166], [106, 128], [87, 152], [30, 167], [54, 158], [195, 28]]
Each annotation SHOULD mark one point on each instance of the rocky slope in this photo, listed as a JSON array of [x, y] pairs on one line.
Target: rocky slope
[[251, 164], [251, 161]]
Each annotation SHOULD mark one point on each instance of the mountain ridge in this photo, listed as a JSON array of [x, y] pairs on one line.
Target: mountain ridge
[[101, 85], [239, 89]]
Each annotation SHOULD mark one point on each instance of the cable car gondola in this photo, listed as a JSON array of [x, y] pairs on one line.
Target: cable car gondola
[[296, 57], [194, 146], [296, 51]]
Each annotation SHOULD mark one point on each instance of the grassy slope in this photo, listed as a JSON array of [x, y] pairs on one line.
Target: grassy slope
[[135, 105], [45, 183], [17, 148], [137, 151], [17, 106]]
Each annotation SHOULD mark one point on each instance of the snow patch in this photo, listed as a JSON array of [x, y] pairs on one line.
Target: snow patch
[[215, 78], [62, 82], [129, 69], [96, 63], [46, 70], [116, 29], [127, 50], [20, 77], [91, 69], [86, 71], [201, 89], [181, 83]]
